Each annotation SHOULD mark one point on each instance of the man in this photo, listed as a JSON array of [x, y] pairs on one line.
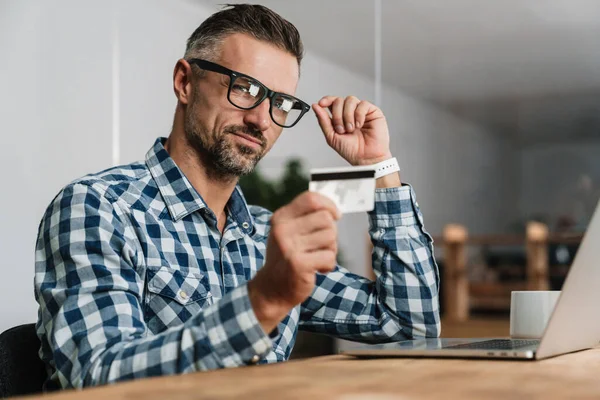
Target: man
[[160, 267]]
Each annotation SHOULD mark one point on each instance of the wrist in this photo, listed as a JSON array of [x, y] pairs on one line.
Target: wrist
[[268, 310], [375, 160], [385, 180], [388, 181]]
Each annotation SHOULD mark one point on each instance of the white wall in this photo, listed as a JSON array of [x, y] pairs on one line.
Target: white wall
[[551, 180], [152, 37], [57, 124], [461, 172], [55, 104], [56, 107]]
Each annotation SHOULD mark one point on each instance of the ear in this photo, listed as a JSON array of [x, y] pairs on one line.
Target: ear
[[182, 81]]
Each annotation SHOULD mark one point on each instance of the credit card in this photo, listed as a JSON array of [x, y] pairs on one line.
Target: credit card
[[352, 189]]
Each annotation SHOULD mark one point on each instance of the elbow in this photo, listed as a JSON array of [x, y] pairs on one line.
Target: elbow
[[95, 372], [433, 325], [426, 331], [435, 331], [426, 325]]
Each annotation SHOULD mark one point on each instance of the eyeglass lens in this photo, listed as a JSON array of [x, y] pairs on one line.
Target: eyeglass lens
[[246, 93]]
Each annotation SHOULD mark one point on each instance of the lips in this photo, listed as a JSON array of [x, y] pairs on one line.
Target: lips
[[249, 138]]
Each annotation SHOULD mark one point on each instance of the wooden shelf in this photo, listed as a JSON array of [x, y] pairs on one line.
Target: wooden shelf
[[460, 295]]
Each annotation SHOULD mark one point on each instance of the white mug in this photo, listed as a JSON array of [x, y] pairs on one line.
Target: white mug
[[530, 312]]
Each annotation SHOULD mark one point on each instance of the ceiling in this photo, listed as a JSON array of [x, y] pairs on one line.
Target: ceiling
[[531, 61]]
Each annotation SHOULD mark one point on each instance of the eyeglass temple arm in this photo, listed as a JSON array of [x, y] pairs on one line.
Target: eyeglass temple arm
[[209, 66], [299, 106]]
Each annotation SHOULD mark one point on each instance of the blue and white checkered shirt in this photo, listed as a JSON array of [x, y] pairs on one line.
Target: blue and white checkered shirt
[[134, 279]]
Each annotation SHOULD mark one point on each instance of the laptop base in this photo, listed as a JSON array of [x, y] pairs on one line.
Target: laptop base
[[496, 348]]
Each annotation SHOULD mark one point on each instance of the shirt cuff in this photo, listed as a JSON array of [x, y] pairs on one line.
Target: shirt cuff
[[395, 207], [234, 332]]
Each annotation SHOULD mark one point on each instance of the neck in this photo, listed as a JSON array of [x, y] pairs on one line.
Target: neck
[[214, 188]]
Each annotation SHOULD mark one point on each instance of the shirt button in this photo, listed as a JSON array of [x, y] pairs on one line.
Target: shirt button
[[254, 359], [183, 295], [245, 225]]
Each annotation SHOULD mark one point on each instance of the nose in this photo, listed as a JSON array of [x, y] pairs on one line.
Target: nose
[[259, 116]]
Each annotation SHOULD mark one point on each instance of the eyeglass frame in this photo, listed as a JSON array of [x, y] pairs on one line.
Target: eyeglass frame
[[233, 75]]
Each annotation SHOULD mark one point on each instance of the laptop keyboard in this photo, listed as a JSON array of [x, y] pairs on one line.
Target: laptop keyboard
[[497, 344]]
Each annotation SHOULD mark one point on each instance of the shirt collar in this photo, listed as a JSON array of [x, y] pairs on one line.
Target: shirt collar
[[180, 196]]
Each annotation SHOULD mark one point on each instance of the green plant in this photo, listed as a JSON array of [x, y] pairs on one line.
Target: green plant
[[270, 194]]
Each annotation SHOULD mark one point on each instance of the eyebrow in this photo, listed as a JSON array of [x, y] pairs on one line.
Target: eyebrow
[[256, 79]]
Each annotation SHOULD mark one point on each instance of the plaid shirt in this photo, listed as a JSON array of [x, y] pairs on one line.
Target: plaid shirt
[[134, 279]]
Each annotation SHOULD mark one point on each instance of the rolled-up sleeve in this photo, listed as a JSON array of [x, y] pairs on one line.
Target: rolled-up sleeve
[[402, 303]]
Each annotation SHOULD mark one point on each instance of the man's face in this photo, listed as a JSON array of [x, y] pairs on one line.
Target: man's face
[[230, 139]]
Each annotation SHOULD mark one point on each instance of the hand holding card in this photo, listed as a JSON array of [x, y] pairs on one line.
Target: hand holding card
[[302, 241]]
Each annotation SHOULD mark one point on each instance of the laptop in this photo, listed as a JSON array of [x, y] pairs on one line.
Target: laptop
[[574, 324]]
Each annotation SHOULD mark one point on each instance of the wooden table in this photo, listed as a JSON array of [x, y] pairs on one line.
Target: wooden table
[[344, 378]]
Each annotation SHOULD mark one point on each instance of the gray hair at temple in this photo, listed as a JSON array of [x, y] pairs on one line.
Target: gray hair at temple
[[254, 20]]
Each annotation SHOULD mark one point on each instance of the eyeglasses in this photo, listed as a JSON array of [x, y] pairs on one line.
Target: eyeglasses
[[247, 93]]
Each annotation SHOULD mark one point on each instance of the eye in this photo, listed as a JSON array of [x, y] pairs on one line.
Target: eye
[[246, 87], [240, 88]]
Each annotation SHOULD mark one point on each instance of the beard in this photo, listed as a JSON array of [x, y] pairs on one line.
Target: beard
[[223, 157]]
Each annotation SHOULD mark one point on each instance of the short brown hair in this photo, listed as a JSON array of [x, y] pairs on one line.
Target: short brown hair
[[255, 20]]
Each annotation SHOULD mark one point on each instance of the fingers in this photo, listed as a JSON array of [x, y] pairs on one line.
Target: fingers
[[324, 122], [323, 261], [350, 105], [307, 224], [327, 101], [308, 203], [360, 114], [336, 106], [313, 222], [324, 239], [346, 114], [337, 109]]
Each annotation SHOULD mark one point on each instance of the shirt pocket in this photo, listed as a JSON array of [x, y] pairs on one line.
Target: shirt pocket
[[173, 297]]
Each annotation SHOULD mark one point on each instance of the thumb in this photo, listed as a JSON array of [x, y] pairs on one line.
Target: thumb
[[324, 122]]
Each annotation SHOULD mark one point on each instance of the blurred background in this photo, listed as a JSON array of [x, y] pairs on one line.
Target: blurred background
[[493, 108]]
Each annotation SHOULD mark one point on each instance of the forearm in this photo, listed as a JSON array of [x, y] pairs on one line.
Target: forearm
[[388, 181], [403, 301], [226, 334], [353, 313], [407, 275]]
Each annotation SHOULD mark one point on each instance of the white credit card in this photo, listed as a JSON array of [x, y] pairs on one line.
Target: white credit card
[[352, 189]]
